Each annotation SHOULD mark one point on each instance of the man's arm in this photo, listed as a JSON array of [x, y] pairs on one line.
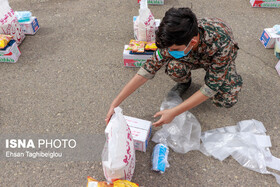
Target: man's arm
[[214, 78], [146, 72], [129, 88]]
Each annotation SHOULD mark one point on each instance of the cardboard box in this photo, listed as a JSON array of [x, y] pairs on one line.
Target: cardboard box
[[154, 2], [277, 48], [141, 132], [134, 60], [30, 27], [265, 3], [277, 67], [268, 37], [10, 53]]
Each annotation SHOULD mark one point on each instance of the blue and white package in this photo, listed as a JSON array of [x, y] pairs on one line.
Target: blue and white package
[[23, 16], [159, 158], [277, 28]]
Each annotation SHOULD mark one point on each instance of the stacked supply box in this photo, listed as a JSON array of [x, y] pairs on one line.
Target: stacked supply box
[[265, 3], [277, 67], [30, 27], [10, 53], [268, 37], [141, 132], [134, 60], [154, 2], [277, 48]]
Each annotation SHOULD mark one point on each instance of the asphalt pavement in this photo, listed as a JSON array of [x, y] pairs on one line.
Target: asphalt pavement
[[71, 70]]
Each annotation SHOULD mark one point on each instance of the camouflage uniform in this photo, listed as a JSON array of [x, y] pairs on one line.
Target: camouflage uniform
[[216, 53]]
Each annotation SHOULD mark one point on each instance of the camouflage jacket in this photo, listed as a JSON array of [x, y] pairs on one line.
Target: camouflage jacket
[[214, 53]]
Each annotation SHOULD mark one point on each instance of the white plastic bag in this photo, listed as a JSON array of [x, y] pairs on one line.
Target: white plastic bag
[[145, 25], [9, 23], [183, 133], [118, 157], [246, 142]]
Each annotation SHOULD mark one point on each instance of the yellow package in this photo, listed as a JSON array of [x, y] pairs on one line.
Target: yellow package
[[136, 46], [4, 40], [151, 46], [118, 183], [124, 183], [130, 45], [94, 183]]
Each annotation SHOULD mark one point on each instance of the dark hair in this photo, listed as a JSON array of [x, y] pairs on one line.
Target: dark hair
[[178, 27]]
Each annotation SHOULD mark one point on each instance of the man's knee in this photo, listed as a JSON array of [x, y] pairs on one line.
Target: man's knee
[[226, 100], [178, 71]]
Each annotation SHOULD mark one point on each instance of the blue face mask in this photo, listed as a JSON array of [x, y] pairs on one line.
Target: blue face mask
[[179, 54]]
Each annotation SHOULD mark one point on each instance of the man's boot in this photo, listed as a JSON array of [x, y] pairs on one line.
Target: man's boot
[[181, 88]]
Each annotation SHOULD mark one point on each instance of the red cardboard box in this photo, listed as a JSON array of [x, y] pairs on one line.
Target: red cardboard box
[[265, 3], [154, 2], [10, 53], [133, 60]]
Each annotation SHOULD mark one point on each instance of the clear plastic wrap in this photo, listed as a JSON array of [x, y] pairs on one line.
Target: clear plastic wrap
[[246, 142], [183, 133]]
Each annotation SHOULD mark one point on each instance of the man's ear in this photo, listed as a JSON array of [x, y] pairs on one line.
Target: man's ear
[[194, 41]]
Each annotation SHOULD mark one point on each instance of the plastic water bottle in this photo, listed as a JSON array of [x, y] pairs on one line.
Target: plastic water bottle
[[159, 158]]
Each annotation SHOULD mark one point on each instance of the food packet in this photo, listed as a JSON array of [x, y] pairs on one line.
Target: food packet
[[124, 183], [136, 46], [4, 40], [139, 47], [94, 183], [118, 183], [151, 46]]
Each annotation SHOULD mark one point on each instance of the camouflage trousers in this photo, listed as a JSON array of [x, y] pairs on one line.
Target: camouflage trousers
[[226, 96]]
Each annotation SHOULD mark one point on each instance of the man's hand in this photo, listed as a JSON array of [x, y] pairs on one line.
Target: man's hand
[[166, 117], [109, 114]]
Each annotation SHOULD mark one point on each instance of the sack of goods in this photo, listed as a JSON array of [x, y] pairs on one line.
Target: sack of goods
[[145, 25], [9, 23], [118, 157]]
